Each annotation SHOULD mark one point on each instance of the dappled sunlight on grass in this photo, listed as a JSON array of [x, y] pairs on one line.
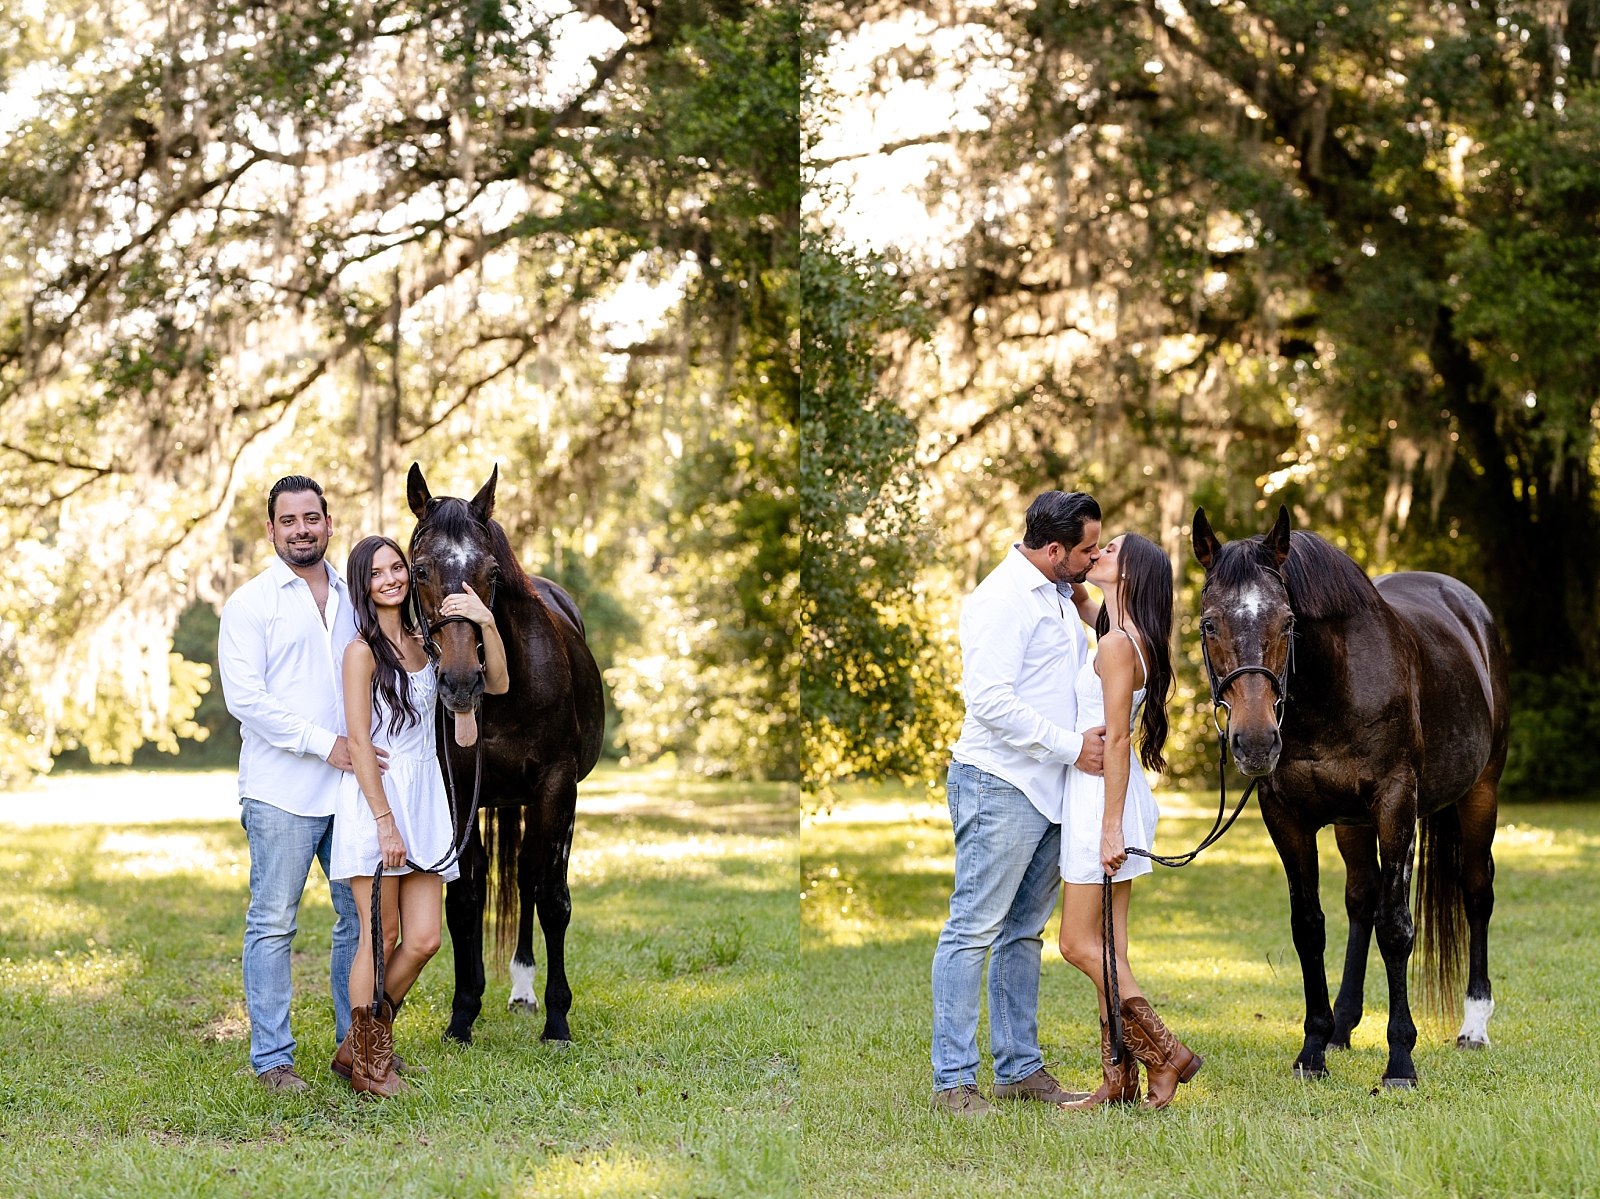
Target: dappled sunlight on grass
[[1211, 947], [90, 976], [685, 1050], [612, 1176]]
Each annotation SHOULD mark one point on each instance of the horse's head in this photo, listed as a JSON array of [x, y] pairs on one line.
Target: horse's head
[[452, 546], [1246, 629]]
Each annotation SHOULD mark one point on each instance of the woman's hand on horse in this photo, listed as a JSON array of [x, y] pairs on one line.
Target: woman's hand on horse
[[1113, 853], [467, 604]]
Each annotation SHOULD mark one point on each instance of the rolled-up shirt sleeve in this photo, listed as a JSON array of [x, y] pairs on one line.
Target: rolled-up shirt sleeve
[[994, 644], [241, 661]]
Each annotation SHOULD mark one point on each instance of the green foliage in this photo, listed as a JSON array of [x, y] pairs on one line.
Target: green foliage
[[876, 689], [1555, 727], [1333, 255], [333, 239]]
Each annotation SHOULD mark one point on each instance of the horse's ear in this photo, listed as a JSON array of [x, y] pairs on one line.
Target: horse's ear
[[483, 502], [1206, 544], [1278, 538], [417, 493]]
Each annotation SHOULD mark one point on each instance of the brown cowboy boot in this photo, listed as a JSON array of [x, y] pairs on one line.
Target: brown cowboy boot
[[372, 1056], [1121, 1081], [342, 1058], [1167, 1060]]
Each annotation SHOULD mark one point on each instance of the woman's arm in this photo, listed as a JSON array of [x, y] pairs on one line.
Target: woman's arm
[[1088, 610], [358, 668], [1117, 664], [496, 677]]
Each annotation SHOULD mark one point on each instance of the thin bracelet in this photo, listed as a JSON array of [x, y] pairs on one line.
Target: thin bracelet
[[382, 814]]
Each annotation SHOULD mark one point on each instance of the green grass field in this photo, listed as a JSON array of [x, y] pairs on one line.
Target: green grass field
[[1212, 949], [123, 1045]]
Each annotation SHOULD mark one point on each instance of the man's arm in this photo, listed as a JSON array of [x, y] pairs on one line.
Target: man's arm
[[991, 659], [242, 665]]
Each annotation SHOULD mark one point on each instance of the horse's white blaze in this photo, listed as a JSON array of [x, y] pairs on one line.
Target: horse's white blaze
[[522, 985], [1475, 1028], [461, 555], [1250, 601]]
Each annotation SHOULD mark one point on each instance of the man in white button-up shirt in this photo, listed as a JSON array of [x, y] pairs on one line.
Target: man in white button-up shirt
[[279, 652], [1022, 644]]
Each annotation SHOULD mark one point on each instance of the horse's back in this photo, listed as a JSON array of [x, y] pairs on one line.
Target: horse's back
[[1462, 680]]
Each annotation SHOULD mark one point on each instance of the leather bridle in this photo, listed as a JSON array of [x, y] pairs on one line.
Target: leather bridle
[[1219, 688]]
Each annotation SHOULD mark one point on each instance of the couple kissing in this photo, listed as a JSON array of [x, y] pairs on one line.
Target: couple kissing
[[1044, 793]]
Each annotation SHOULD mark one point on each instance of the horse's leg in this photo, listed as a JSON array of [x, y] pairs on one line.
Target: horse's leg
[[524, 1000], [556, 800], [463, 908], [1358, 845], [1478, 812], [1397, 836], [1297, 847]]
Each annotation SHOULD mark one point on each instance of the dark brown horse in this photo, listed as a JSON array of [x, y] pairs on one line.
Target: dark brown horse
[[539, 739], [1368, 705]]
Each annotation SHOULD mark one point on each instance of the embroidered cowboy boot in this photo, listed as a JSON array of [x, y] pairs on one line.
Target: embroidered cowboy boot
[[341, 1064], [1167, 1060], [372, 1056], [1120, 1082]]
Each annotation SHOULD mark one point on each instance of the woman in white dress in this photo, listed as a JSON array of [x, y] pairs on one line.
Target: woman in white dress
[[384, 817], [1128, 676]]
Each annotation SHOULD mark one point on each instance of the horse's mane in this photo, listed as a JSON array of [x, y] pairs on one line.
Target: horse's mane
[[1324, 582], [453, 518]]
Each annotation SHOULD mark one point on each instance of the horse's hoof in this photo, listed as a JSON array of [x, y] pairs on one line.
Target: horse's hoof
[[552, 1036], [523, 1007], [1337, 1044], [1306, 1072], [1464, 1042], [454, 1036], [1399, 1084]]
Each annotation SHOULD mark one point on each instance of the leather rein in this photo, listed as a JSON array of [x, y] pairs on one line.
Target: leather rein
[[1219, 827], [460, 832]]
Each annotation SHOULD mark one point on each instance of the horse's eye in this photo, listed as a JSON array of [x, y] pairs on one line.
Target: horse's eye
[[419, 572], [1208, 627]]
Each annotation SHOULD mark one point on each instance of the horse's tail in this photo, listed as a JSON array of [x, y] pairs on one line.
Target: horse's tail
[[1441, 911], [502, 842]]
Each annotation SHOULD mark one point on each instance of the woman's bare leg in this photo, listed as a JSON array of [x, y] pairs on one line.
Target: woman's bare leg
[[1081, 940], [420, 904], [361, 968]]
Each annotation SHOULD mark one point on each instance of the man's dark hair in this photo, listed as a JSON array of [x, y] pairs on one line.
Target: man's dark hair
[[293, 483], [1059, 516]]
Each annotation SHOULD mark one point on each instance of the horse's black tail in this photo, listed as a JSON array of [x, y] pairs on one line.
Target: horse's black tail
[[1441, 912], [502, 842]]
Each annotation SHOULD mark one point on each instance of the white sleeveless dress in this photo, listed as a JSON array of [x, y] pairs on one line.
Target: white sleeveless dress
[[1084, 810], [414, 785]]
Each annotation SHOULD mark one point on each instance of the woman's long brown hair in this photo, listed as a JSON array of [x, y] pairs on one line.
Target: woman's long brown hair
[[1146, 574], [390, 681]]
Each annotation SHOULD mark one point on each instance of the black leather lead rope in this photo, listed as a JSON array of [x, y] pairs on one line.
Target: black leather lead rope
[[460, 834], [1108, 955]]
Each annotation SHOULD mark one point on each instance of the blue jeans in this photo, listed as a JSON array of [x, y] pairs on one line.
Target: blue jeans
[[282, 846], [1008, 870]]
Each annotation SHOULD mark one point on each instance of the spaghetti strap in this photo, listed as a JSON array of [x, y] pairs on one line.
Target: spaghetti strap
[[1143, 669]]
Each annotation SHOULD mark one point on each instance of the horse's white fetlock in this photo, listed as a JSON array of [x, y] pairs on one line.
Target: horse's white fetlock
[[523, 998], [1474, 1032]]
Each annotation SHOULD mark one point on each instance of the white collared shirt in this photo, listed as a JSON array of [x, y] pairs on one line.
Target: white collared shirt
[[280, 663], [1022, 646]]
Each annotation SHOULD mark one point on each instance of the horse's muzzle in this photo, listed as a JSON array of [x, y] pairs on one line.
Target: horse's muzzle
[[1255, 751], [459, 690]]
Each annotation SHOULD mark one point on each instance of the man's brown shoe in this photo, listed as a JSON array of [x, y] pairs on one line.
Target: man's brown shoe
[[1040, 1086], [281, 1078], [961, 1101]]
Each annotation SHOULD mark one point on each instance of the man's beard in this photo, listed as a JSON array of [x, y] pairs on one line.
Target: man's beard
[[303, 554]]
